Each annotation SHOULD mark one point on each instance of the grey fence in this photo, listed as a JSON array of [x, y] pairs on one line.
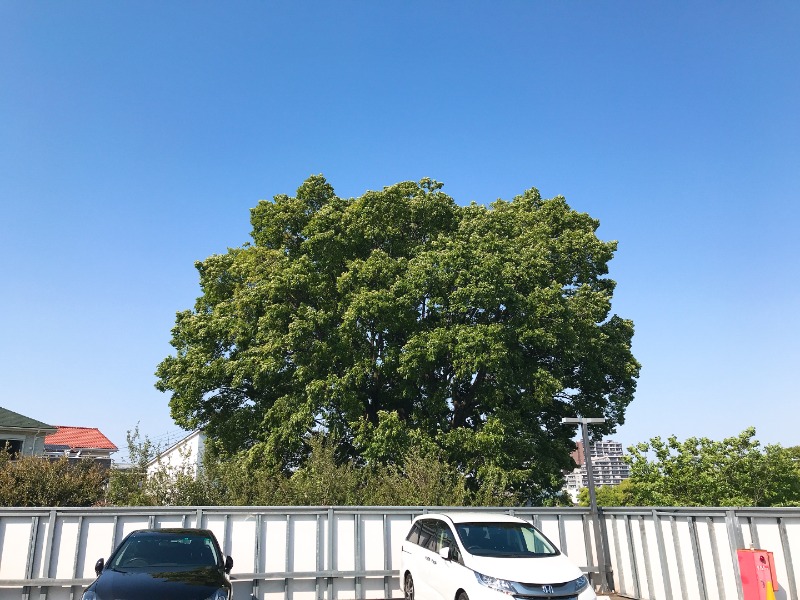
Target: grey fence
[[690, 553], [352, 553]]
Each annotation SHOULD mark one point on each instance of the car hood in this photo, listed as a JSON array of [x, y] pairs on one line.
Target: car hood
[[539, 569], [196, 584]]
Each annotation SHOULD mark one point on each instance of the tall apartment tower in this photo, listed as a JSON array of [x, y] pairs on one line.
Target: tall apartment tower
[[608, 466]]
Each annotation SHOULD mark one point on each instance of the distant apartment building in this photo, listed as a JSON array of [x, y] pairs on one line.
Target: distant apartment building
[[608, 466]]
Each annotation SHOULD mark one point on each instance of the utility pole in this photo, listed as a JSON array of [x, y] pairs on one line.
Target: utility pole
[[599, 543]]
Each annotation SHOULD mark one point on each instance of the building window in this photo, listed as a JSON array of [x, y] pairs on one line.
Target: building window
[[13, 447]]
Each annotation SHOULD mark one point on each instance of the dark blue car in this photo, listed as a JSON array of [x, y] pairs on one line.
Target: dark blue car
[[154, 564]]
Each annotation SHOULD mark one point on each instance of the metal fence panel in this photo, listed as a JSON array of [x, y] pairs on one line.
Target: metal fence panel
[[352, 553], [690, 553]]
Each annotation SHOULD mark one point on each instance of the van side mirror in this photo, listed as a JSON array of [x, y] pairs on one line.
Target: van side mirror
[[98, 566], [228, 564], [446, 552]]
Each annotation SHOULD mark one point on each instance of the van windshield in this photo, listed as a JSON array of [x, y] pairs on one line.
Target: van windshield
[[512, 540]]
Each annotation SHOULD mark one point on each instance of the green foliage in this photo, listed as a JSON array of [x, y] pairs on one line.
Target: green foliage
[[37, 481], [129, 486], [737, 471], [162, 485], [400, 319], [322, 480], [793, 453], [421, 477], [609, 495]]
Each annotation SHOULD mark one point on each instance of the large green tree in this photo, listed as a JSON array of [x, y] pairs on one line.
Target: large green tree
[[399, 318]]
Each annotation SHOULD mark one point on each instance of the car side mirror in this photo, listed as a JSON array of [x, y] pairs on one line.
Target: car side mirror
[[98, 566], [228, 564], [446, 552]]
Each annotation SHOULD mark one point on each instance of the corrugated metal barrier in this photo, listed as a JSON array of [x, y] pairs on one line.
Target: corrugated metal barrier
[[352, 553]]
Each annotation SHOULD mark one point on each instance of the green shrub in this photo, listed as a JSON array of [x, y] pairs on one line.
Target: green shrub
[[37, 481]]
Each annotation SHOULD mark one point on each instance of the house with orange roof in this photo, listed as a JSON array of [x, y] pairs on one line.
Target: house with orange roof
[[79, 442]]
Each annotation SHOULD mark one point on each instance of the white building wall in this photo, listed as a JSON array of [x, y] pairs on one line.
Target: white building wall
[[185, 455]]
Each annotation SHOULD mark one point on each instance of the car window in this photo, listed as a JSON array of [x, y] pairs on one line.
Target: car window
[[442, 537], [433, 535], [504, 539], [427, 533], [413, 535], [539, 544], [166, 550], [433, 540], [446, 539]]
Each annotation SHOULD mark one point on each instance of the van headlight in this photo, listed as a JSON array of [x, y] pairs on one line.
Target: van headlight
[[580, 583], [220, 594], [494, 583]]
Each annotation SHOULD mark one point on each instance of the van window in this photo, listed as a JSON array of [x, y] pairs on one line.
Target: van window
[[442, 537], [537, 542], [445, 539], [413, 535], [504, 539], [423, 533]]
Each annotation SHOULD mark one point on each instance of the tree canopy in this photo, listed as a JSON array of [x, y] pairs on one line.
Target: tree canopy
[[399, 319], [609, 495], [736, 471]]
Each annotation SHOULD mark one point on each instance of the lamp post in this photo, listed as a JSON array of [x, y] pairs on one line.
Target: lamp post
[[599, 544]]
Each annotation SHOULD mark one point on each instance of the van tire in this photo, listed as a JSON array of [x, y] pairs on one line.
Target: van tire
[[462, 596], [408, 587]]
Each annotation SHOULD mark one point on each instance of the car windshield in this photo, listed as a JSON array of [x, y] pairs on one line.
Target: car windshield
[[177, 551], [514, 540]]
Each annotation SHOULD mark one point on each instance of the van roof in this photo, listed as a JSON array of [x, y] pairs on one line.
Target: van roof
[[474, 517]]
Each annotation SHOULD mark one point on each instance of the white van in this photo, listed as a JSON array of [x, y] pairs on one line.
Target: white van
[[485, 556]]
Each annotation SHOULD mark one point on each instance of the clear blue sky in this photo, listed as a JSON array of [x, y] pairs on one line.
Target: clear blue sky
[[135, 136]]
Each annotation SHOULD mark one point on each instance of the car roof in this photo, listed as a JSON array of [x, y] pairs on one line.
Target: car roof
[[174, 531], [473, 517]]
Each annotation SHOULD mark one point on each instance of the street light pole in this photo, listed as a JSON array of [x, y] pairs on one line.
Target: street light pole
[[587, 457]]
